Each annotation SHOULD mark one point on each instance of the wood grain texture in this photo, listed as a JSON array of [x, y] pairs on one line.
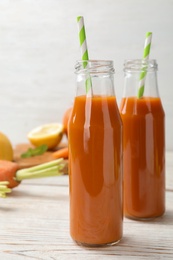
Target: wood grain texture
[[19, 149], [35, 225]]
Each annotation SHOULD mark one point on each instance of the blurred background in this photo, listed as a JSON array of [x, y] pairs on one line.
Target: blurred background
[[39, 46]]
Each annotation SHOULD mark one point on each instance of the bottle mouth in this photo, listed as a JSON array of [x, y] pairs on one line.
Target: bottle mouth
[[140, 65], [94, 67]]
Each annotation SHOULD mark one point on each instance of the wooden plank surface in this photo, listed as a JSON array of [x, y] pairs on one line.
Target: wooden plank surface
[[35, 225], [19, 149]]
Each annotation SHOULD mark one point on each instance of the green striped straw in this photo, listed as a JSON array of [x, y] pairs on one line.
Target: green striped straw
[[84, 50], [143, 73]]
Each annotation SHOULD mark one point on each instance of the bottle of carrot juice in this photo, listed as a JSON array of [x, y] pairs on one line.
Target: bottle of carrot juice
[[95, 151], [143, 143]]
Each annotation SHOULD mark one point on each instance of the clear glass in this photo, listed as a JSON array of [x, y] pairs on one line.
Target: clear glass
[[95, 167], [143, 143]]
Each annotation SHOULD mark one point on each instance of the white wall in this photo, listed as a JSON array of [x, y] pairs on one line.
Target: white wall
[[39, 47]]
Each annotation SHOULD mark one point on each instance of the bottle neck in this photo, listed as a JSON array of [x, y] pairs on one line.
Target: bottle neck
[[138, 73], [95, 75]]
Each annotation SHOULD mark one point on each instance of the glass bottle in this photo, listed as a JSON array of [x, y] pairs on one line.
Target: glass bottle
[[143, 143], [95, 151]]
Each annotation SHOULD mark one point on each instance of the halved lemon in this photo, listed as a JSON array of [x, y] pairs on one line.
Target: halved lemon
[[49, 134]]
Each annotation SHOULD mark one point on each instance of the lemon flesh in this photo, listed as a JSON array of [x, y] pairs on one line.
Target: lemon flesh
[[50, 134], [6, 150]]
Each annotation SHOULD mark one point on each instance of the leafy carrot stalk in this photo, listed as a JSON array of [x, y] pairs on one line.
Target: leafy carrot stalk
[[62, 153], [4, 189], [9, 171], [52, 168]]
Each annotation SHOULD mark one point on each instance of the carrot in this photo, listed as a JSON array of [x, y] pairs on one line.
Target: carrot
[[9, 171], [61, 153]]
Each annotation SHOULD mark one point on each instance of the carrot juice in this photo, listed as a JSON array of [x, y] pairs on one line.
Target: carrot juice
[[95, 170], [143, 151]]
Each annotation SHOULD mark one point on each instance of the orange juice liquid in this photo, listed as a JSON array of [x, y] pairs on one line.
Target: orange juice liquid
[[95, 169], [144, 157]]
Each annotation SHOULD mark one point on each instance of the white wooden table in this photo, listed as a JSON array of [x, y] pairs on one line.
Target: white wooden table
[[34, 224]]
